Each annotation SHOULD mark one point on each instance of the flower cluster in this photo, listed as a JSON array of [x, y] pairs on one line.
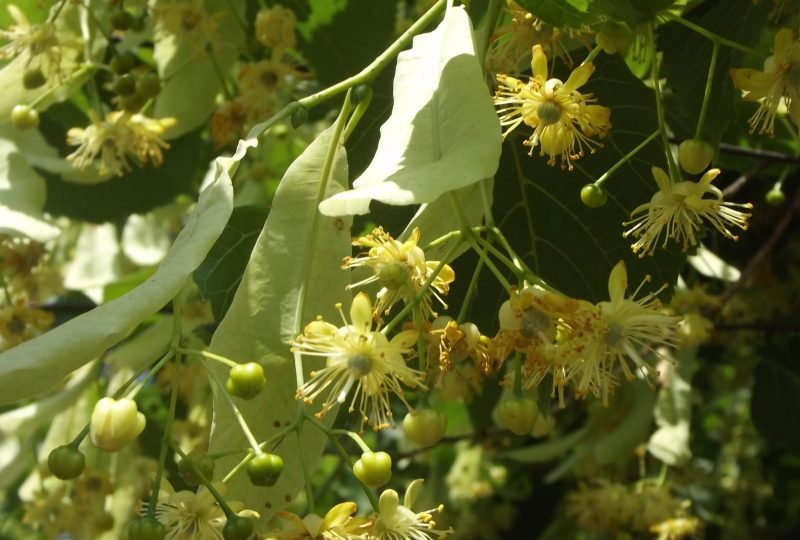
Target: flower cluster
[[37, 42], [116, 139], [579, 343], [564, 120], [678, 210]]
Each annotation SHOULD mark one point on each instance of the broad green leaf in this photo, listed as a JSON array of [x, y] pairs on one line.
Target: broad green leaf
[[426, 148], [260, 322], [570, 13], [673, 415], [220, 274], [192, 66], [539, 208], [634, 12], [686, 57], [775, 406], [37, 365], [548, 450], [631, 415]]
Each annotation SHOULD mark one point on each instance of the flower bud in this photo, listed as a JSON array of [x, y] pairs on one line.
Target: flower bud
[[518, 415], [115, 423]]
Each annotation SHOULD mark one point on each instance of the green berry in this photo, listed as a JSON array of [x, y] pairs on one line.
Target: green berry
[[194, 465], [148, 86], [238, 528], [394, 275], [695, 155], [425, 427], [146, 528], [132, 103], [138, 24], [518, 415], [121, 20], [33, 78], [24, 117], [66, 462], [265, 469], [593, 196], [299, 117], [374, 469], [246, 380], [123, 63], [360, 93], [125, 85], [775, 197]]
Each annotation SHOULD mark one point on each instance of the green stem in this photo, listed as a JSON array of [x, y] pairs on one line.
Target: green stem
[[211, 356], [83, 70], [205, 481], [708, 34], [449, 236], [150, 374], [701, 121], [355, 118], [306, 473], [250, 454], [662, 125], [605, 176], [484, 34], [592, 55], [162, 458], [485, 258], [236, 412], [422, 346], [471, 289], [487, 206], [223, 82], [355, 436], [55, 15]]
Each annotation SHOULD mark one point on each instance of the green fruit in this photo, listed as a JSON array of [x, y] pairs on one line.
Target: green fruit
[[121, 20], [123, 63], [593, 196], [33, 78], [148, 86], [518, 415], [194, 465], [125, 85], [360, 93], [138, 24], [238, 528], [132, 103], [299, 117], [425, 427], [146, 528], [246, 380], [265, 469], [24, 117], [66, 462], [775, 197], [374, 469], [695, 155]]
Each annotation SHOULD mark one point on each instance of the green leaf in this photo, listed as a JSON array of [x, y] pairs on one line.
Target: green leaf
[[137, 192], [220, 274], [686, 57], [37, 365], [775, 406], [570, 13], [539, 208], [426, 148], [673, 415], [634, 12], [260, 322], [192, 66]]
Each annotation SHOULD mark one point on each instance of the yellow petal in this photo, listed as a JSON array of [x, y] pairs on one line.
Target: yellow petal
[[411, 492], [618, 282], [539, 62], [783, 40], [662, 179], [338, 515], [388, 503], [361, 313], [579, 76], [756, 83], [708, 177]]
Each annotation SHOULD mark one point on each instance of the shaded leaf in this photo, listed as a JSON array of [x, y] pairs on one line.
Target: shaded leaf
[[571, 13], [775, 405]]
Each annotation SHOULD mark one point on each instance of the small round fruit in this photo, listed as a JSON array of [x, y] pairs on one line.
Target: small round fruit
[[125, 85], [121, 20], [265, 469], [425, 427], [148, 86], [593, 196], [518, 415], [775, 197], [695, 155], [238, 528], [196, 463], [374, 469], [544, 425], [146, 528], [360, 93], [132, 103], [246, 380], [66, 462], [122, 63], [24, 117], [33, 78], [299, 117]]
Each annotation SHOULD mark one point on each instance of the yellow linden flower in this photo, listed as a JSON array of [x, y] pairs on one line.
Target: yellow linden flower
[[634, 325], [678, 210], [780, 80], [397, 521], [358, 356], [677, 528], [19, 323], [401, 269], [338, 524], [563, 120], [38, 40], [116, 139], [187, 20], [275, 28]]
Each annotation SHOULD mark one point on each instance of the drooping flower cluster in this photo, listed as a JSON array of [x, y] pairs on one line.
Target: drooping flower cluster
[[678, 210], [37, 42], [565, 122], [113, 141], [188, 21], [778, 82], [401, 270], [358, 356], [579, 343]]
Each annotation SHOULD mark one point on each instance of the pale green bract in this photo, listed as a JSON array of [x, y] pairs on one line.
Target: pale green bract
[[260, 322], [673, 414], [443, 133]]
